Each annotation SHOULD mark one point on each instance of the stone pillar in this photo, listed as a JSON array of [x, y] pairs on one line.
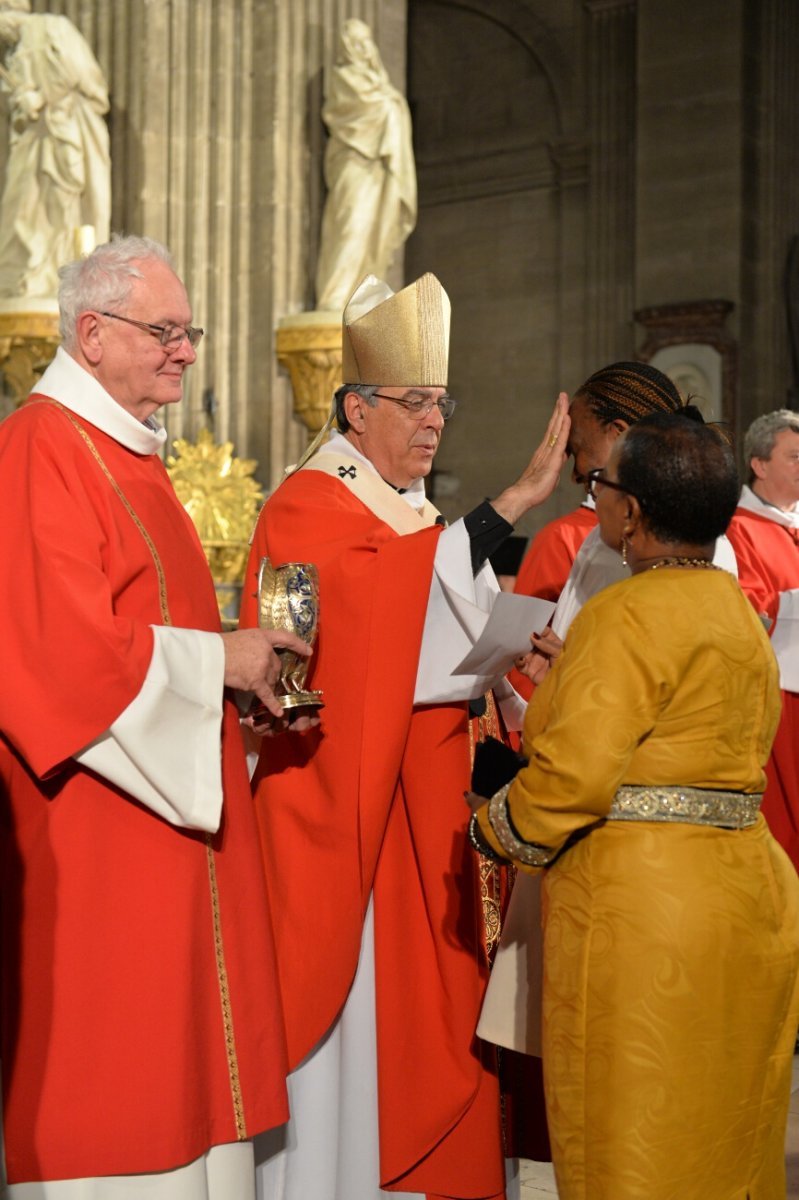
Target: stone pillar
[[570, 159], [610, 248], [689, 164], [770, 202]]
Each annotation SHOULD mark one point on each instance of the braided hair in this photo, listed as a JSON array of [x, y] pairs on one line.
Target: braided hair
[[628, 391]]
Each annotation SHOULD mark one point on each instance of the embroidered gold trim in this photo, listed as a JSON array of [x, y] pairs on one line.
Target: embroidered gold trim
[[224, 994], [693, 806], [162, 595], [490, 903], [489, 872], [219, 948], [529, 853]]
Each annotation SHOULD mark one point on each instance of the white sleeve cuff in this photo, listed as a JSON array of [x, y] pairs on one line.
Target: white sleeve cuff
[[165, 748], [457, 610]]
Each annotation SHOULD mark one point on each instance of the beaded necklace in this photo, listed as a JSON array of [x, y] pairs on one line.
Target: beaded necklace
[[681, 560]]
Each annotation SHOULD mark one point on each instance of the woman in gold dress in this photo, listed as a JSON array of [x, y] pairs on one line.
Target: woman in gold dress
[[671, 916]]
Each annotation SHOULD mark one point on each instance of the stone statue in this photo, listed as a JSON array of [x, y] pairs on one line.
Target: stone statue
[[57, 179], [369, 170]]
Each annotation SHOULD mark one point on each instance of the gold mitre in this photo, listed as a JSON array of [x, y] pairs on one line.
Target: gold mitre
[[397, 340]]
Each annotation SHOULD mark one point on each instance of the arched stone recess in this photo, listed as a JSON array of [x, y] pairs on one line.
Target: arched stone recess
[[516, 19]]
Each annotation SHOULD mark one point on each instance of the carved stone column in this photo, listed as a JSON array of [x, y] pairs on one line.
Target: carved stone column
[[570, 158], [611, 205], [771, 205]]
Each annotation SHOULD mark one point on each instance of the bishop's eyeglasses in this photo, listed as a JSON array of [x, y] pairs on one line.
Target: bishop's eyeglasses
[[416, 409]]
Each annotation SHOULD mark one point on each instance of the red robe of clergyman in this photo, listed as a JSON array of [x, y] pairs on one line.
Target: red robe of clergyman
[[373, 801], [141, 1022], [768, 563]]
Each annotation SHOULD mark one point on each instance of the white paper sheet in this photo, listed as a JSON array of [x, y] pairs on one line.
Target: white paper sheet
[[785, 640], [505, 634]]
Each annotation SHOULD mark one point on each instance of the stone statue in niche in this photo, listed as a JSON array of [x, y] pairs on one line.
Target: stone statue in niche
[[369, 170], [57, 195]]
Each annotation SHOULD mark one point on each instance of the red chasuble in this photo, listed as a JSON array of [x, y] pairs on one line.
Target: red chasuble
[[141, 1023], [373, 800], [768, 563], [546, 566]]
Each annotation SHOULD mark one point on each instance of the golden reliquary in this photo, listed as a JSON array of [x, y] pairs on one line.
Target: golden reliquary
[[288, 599]]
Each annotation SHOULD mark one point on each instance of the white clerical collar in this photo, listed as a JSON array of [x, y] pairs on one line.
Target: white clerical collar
[[413, 495], [66, 380], [756, 504]]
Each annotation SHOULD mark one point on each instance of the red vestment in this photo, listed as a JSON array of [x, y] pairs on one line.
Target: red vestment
[[141, 1023], [546, 566], [768, 563], [373, 801]]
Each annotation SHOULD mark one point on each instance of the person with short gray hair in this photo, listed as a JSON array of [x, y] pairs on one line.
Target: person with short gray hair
[[765, 536], [761, 436], [103, 280], [141, 1030]]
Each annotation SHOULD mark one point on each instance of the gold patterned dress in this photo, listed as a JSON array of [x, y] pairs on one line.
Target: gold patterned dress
[[671, 949]]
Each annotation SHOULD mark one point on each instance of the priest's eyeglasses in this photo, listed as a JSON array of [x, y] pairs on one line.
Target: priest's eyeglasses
[[417, 409], [170, 336]]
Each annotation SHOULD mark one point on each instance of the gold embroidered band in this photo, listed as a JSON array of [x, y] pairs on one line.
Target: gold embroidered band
[[693, 806], [529, 853], [687, 805]]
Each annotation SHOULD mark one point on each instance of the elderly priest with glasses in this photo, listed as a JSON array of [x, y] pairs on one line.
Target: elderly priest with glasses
[[141, 1025], [363, 823]]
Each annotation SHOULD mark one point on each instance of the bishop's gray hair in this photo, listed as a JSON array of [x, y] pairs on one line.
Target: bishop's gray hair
[[365, 390]]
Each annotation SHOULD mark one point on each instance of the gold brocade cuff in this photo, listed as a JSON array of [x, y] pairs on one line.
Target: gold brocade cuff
[[480, 818], [530, 853]]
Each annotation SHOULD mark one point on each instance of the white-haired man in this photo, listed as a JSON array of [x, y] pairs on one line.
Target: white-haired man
[[141, 1022], [765, 536]]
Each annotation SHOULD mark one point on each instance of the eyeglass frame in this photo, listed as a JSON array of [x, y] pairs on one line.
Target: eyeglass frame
[[425, 406], [192, 332], [595, 476]]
